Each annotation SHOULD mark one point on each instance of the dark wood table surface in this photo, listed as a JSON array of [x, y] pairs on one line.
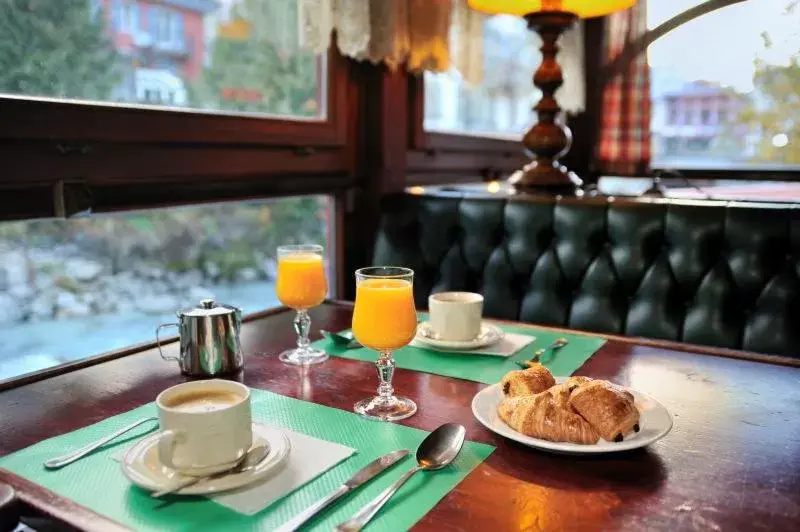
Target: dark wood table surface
[[731, 462]]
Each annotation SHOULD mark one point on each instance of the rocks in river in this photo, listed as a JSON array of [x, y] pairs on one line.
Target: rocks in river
[[68, 304], [197, 293], [269, 267], [157, 303], [149, 271], [10, 310], [42, 307], [187, 280], [83, 270], [15, 266], [211, 270], [247, 275]]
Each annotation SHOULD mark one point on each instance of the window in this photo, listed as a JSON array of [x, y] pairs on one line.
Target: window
[[501, 104], [221, 49], [739, 92], [82, 286], [128, 17], [672, 105]]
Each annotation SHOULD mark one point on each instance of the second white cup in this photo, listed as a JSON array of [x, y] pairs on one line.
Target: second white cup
[[456, 316]]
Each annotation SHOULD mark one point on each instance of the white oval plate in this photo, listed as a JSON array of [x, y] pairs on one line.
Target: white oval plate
[[489, 335], [142, 466], [655, 422]]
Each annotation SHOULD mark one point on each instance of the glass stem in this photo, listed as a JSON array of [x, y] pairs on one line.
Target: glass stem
[[385, 366], [302, 324]]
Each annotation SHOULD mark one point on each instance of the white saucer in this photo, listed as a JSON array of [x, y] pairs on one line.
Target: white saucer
[[142, 466], [489, 335], [654, 419]]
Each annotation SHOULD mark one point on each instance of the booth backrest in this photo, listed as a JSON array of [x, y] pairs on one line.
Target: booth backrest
[[711, 273]]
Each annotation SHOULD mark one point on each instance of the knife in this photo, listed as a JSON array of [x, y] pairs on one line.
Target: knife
[[367, 473]]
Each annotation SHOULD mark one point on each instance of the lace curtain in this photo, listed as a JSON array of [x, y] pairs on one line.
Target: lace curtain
[[426, 35]]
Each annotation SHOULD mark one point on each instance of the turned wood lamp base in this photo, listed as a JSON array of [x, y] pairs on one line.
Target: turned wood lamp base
[[547, 140]]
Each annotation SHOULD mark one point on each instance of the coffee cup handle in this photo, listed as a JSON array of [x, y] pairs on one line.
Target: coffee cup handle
[[158, 341], [166, 446]]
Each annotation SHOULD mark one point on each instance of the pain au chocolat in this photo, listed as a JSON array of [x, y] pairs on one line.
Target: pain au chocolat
[[531, 381], [608, 408]]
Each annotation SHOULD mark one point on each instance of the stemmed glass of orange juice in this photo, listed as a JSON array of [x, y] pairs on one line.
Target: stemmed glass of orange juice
[[301, 285], [384, 319]]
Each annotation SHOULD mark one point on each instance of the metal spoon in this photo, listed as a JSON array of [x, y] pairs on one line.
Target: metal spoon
[[249, 461], [61, 461], [341, 340], [435, 452], [555, 346]]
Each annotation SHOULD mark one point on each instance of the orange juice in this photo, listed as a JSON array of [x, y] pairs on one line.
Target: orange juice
[[384, 317], [301, 280]]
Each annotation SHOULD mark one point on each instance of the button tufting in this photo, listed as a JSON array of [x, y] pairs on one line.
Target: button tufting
[[509, 253]]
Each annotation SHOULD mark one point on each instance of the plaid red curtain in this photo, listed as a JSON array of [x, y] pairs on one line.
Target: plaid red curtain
[[624, 147]]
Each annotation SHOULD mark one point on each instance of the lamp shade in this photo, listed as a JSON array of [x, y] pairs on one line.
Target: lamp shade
[[582, 8]]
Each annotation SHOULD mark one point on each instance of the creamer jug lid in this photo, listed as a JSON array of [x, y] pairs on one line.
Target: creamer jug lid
[[208, 307]]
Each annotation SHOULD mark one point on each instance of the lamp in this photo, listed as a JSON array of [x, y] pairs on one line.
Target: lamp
[[548, 140]]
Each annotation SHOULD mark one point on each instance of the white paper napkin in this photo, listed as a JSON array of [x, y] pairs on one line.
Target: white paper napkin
[[309, 457], [511, 344]]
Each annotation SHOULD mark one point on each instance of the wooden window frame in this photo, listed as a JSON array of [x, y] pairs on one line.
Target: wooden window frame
[[35, 118], [438, 158], [64, 157], [435, 158]]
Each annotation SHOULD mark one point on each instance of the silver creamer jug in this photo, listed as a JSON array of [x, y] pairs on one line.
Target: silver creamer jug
[[209, 339]]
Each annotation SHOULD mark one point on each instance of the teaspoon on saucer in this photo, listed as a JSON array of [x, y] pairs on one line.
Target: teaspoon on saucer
[[249, 461]]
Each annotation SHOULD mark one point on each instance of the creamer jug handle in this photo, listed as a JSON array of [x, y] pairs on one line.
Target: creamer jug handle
[[158, 341]]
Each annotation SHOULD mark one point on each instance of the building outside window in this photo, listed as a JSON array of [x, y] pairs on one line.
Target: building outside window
[[728, 102], [213, 49]]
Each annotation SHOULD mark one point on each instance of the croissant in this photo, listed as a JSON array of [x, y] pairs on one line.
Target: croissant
[[531, 381], [608, 408], [560, 394], [538, 416]]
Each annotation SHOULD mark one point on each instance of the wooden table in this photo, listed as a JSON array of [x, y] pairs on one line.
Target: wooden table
[[731, 462]]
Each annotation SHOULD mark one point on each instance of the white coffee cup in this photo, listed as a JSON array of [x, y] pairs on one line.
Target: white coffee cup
[[206, 426], [456, 316]]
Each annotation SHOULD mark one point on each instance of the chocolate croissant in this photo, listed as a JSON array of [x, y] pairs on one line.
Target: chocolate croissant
[[531, 381], [538, 416], [608, 408]]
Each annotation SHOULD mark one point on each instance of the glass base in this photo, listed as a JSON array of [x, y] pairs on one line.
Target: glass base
[[386, 408], [306, 356]]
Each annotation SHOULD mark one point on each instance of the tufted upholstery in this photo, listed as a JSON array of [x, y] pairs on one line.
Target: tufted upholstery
[[719, 274]]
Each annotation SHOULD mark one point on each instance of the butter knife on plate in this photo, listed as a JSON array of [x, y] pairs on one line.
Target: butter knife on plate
[[367, 473]]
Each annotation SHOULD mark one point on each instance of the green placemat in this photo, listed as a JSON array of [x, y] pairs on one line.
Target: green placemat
[[98, 483], [485, 368]]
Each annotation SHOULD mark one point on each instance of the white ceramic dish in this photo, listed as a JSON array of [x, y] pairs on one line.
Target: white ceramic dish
[[490, 334], [142, 466], [655, 422]]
